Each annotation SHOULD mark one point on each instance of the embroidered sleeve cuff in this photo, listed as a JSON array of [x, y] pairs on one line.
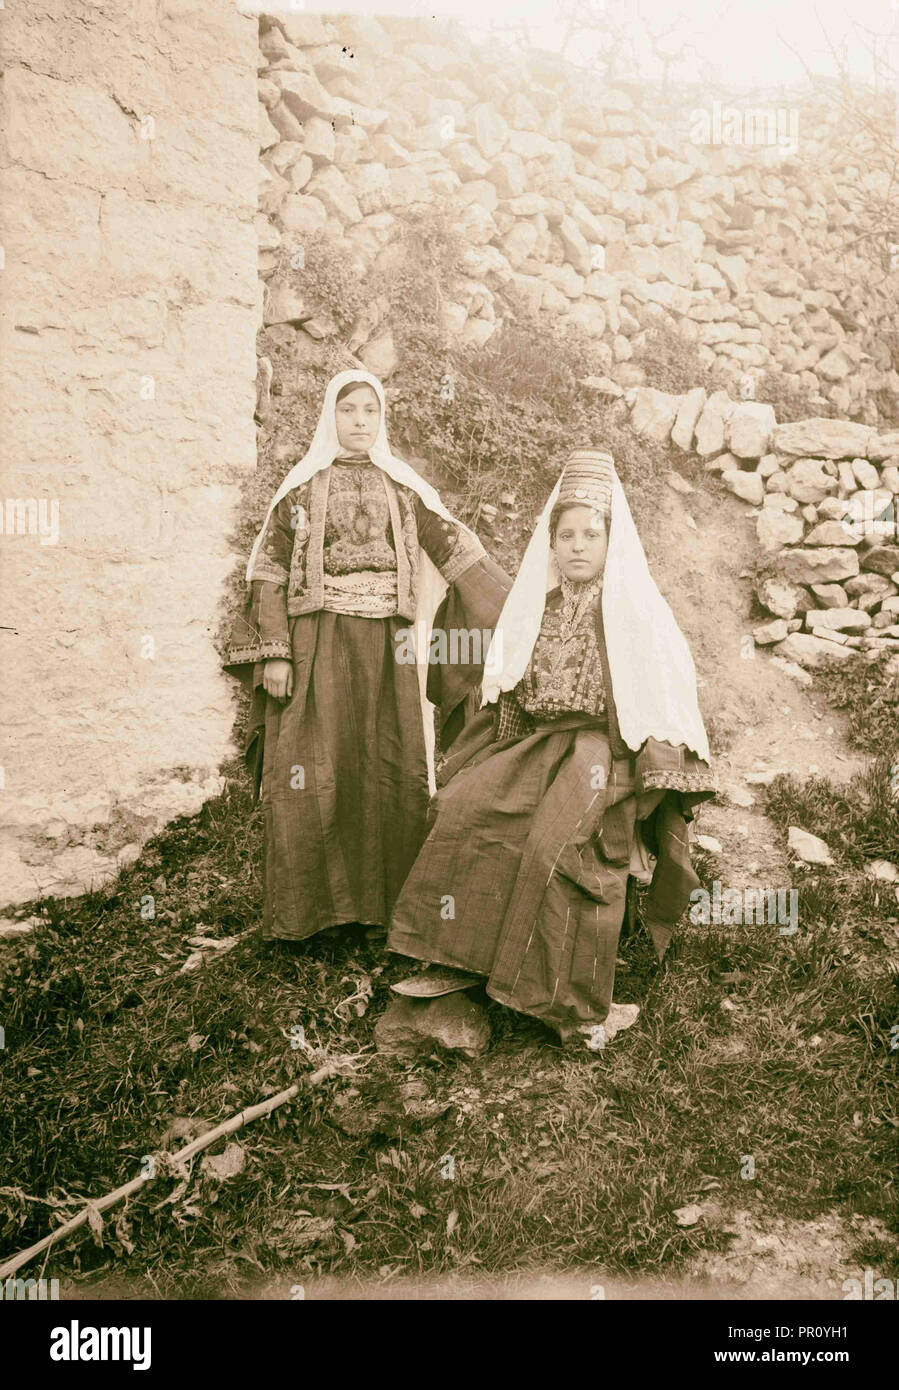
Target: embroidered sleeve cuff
[[467, 551], [260, 651], [700, 780], [270, 571]]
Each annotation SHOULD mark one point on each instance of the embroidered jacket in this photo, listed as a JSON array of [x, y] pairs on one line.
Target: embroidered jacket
[[347, 540]]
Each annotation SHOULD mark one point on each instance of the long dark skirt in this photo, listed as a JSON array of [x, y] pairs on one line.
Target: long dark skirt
[[523, 877], [344, 779]]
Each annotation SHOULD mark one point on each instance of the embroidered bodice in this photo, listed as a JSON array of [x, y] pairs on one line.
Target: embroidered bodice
[[357, 525], [564, 674], [348, 540]]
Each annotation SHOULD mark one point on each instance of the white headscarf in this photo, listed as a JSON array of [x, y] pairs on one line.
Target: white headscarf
[[653, 676], [430, 586]]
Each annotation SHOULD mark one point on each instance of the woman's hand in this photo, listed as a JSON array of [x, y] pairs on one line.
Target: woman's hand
[[277, 678]]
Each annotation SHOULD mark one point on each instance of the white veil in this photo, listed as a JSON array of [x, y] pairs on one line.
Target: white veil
[[653, 676]]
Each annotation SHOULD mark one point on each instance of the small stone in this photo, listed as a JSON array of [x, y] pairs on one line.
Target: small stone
[[807, 847], [678, 483], [225, 1165], [767, 633], [882, 870], [865, 474], [791, 669], [747, 486], [689, 1215], [709, 844]]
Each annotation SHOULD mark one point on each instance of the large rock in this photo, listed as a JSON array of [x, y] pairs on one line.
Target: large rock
[[688, 413], [870, 588], [334, 193], [782, 599], [747, 486], [817, 566], [808, 481], [881, 559], [831, 533], [379, 356], [813, 653], [841, 619], [302, 213], [884, 445], [865, 474], [711, 423], [490, 129], [831, 595], [749, 429], [822, 438], [654, 412], [304, 95], [455, 1022], [774, 528], [285, 304]]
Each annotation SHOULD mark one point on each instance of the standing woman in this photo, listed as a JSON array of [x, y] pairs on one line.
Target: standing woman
[[356, 550], [589, 755]]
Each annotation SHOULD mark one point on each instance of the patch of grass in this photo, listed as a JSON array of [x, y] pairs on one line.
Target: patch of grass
[[529, 1157], [869, 695], [859, 820]]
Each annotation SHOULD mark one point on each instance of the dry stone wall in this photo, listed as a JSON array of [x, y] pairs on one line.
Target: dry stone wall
[[825, 495], [129, 312], [732, 221]]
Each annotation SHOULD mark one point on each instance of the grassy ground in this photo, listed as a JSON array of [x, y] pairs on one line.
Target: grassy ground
[[532, 1157]]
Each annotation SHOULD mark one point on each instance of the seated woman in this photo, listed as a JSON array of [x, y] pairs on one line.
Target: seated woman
[[334, 645], [590, 752]]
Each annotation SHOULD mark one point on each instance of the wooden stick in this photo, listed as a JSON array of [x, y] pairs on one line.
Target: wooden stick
[[244, 1117]]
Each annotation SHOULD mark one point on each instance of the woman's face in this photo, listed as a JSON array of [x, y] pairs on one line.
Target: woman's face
[[581, 544], [358, 417]]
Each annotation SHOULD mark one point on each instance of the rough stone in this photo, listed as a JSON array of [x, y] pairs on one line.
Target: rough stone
[[688, 413], [654, 412], [749, 429], [817, 566], [808, 480], [455, 1022], [813, 653], [822, 438], [747, 486], [831, 533], [841, 619], [709, 434], [775, 528], [807, 847], [766, 633], [881, 559], [780, 598]]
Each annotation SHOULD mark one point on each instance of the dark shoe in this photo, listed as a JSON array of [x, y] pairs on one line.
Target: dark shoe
[[435, 981]]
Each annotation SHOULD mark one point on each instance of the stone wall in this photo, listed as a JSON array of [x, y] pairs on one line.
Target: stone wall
[[129, 312], [617, 209], [824, 495]]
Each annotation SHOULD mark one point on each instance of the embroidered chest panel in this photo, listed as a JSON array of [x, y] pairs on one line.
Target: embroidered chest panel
[[358, 533], [344, 520], [564, 674]]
